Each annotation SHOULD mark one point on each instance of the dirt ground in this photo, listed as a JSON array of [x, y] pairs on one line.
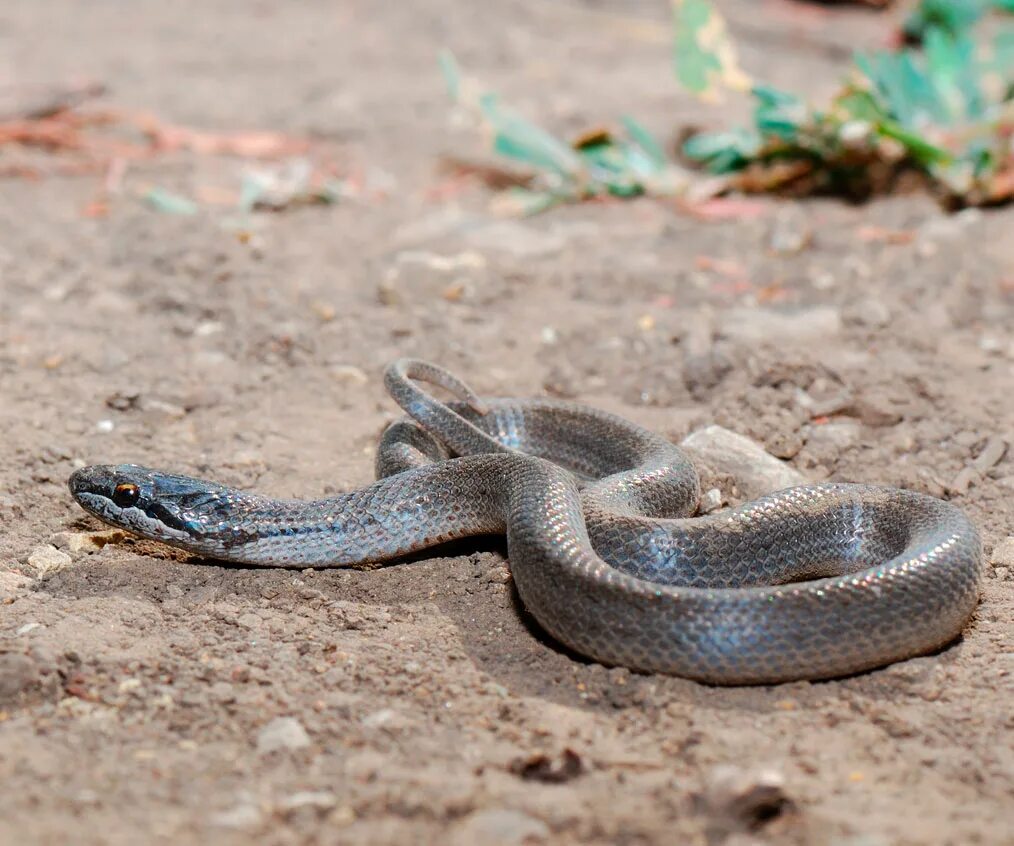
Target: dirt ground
[[147, 698]]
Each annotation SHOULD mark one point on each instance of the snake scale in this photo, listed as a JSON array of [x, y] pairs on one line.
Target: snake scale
[[807, 583]]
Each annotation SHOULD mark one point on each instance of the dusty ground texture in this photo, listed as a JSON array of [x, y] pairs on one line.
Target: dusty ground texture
[[148, 698]]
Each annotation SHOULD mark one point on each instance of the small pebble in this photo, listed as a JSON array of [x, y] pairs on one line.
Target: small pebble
[[965, 478], [1003, 553], [826, 406], [86, 541], [124, 400], [991, 455], [348, 374], [711, 500], [499, 827], [242, 816], [48, 559], [316, 800], [869, 312], [282, 733], [875, 412], [834, 435], [789, 235], [743, 798]]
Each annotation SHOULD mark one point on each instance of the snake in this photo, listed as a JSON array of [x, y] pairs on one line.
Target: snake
[[604, 545]]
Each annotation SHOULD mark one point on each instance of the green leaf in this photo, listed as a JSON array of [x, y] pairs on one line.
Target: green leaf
[[520, 139], [779, 113], [922, 150], [703, 54], [451, 72], [169, 203], [646, 141]]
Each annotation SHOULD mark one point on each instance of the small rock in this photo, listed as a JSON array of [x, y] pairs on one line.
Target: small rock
[[756, 472], [249, 621], [246, 815], [124, 400], [1003, 553], [789, 235], [921, 480], [53, 454], [498, 574], [381, 718], [223, 692], [499, 827], [86, 541], [318, 801], [834, 435], [548, 335], [869, 312], [759, 325], [992, 344], [348, 374], [325, 311], [711, 500], [991, 455], [167, 409], [784, 444], [826, 406], [282, 733], [48, 559], [965, 478], [875, 412], [822, 280], [745, 799], [208, 328]]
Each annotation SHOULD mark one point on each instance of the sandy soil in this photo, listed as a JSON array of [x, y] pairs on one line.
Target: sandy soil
[[148, 698]]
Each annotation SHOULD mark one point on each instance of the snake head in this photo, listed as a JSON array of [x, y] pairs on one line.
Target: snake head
[[161, 506]]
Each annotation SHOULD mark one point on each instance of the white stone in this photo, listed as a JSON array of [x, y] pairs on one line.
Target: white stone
[[282, 733], [756, 471], [499, 827], [48, 559]]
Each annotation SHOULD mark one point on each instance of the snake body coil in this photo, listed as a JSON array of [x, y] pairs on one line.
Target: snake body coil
[[810, 582]]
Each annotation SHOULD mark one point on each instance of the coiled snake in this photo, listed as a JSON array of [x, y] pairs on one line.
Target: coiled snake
[[810, 582]]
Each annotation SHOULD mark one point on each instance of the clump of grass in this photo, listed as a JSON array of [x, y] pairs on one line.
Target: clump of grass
[[944, 109], [628, 163]]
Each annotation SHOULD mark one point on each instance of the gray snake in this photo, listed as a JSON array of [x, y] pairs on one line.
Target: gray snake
[[810, 582]]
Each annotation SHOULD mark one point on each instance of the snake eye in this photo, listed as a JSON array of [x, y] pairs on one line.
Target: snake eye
[[126, 495]]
